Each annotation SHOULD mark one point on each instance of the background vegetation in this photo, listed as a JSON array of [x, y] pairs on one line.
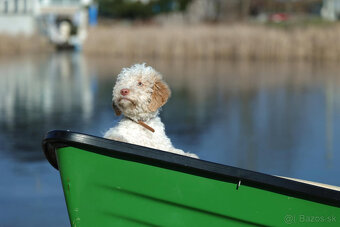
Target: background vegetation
[[138, 9]]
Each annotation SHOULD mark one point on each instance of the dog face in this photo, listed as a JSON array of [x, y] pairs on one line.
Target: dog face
[[139, 92]]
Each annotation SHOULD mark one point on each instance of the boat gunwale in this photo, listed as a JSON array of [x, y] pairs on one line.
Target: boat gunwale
[[61, 138]]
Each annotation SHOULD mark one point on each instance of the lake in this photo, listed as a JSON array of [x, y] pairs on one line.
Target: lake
[[276, 118]]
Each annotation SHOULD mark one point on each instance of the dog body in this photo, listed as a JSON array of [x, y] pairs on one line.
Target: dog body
[[138, 94], [130, 132]]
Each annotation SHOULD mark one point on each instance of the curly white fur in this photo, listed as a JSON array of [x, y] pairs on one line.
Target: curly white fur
[[147, 92]]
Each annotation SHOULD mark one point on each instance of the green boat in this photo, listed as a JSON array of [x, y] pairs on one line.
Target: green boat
[[110, 183]]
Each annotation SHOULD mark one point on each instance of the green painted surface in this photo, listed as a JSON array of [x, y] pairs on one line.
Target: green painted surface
[[104, 191]]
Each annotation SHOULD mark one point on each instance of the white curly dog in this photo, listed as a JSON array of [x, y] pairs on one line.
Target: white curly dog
[[139, 92]]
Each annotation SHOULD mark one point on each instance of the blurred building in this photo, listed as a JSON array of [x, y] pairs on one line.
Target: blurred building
[[63, 21], [331, 9], [17, 17]]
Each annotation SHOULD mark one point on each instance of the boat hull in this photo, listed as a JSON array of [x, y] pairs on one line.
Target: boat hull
[[106, 189]]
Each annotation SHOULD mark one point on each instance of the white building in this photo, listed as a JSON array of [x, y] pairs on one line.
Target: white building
[[63, 21], [330, 9], [16, 16]]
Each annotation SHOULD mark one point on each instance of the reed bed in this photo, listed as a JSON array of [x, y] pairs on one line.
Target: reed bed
[[20, 44], [239, 42]]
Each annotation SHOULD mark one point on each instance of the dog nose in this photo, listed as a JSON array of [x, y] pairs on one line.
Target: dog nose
[[124, 91]]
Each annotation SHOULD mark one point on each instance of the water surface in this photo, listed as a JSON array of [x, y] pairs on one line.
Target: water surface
[[275, 118]]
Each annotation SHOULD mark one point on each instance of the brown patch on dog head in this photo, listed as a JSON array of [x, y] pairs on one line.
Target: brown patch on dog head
[[160, 95], [116, 109]]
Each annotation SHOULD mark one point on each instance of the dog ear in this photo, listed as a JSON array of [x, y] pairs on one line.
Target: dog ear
[[116, 109], [160, 95]]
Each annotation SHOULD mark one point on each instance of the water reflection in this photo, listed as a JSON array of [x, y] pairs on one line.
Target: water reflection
[[270, 118], [35, 91], [44, 85], [259, 116], [277, 118]]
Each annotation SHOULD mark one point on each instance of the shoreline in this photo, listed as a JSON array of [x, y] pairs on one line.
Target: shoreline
[[22, 45], [233, 42]]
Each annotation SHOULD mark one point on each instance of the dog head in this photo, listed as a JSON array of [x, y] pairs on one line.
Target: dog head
[[139, 92]]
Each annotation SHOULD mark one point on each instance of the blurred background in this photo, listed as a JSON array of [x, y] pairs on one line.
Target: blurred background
[[255, 85]]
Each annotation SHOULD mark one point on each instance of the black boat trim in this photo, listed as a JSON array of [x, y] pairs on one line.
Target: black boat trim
[[60, 138]]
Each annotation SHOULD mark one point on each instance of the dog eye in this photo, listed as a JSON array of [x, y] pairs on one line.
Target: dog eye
[[140, 83]]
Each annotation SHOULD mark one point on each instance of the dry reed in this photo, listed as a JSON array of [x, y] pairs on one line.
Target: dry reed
[[244, 42], [20, 44]]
